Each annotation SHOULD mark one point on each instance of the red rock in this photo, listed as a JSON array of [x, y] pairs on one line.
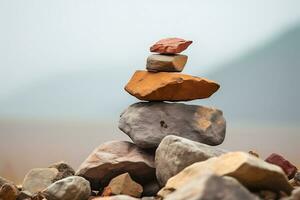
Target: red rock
[[170, 46], [289, 169]]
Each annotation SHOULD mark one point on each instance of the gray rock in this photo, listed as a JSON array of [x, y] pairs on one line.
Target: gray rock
[[70, 188], [176, 153], [24, 195], [212, 187], [147, 123], [64, 170], [38, 179], [114, 158], [166, 63]]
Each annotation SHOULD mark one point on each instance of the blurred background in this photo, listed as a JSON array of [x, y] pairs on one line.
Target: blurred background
[[64, 63]]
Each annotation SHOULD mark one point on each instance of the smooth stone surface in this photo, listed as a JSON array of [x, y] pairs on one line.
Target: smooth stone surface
[[252, 172], [164, 86], [123, 184], [289, 169], [70, 188], [38, 179], [64, 170], [114, 158], [147, 123], [176, 153], [166, 63], [8, 192], [170, 45], [212, 187], [116, 197]]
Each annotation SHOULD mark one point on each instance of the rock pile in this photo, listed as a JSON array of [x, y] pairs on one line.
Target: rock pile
[[173, 154]]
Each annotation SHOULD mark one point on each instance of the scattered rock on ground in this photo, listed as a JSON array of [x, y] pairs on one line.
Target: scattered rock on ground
[[212, 187], [8, 192], [114, 158], [70, 188], [175, 153], [166, 63], [64, 170], [289, 169], [252, 172], [123, 184], [147, 123], [170, 46], [38, 179], [164, 86]]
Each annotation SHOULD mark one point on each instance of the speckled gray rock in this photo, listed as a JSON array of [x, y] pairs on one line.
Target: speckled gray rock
[[166, 63], [38, 179], [212, 187], [147, 123], [70, 188], [175, 153], [114, 158], [64, 170]]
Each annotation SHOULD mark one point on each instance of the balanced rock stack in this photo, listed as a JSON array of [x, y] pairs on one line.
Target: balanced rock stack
[[147, 123], [172, 156]]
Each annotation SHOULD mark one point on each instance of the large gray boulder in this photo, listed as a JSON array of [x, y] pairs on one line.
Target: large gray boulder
[[70, 188], [212, 187], [147, 123], [176, 153], [114, 158]]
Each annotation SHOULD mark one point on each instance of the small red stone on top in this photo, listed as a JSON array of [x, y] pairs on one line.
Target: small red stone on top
[[170, 46], [289, 169]]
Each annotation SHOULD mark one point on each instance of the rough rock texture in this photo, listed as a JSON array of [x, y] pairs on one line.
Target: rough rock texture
[[166, 63], [212, 187], [8, 192], [289, 169], [164, 86], [64, 170], [114, 158], [147, 123], [123, 184], [38, 179], [176, 153], [24, 195], [170, 45], [252, 172], [70, 188]]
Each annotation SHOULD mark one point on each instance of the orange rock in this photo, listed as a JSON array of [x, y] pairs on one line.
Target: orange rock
[[164, 86], [170, 45]]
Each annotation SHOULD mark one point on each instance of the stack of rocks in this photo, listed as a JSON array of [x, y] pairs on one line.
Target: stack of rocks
[[147, 123], [171, 157]]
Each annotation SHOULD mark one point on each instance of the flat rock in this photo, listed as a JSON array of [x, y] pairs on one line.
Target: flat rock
[[114, 158], [38, 179], [289, 169], [123, 184], [166, 63], [164, 86], [8, 192], [176, 153], [147, 123], [252, 172], [70, 188], [64, 170], [170, 45], [212, 187]]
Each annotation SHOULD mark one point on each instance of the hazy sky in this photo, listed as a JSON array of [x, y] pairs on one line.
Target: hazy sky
[[40, 38]]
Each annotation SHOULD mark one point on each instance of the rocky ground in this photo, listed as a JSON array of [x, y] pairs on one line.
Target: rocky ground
[[173, 155]]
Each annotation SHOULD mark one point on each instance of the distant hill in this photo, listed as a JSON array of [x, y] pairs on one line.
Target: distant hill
[[261, 86]]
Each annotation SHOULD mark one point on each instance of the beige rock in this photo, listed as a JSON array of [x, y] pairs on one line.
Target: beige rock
[[38, 179], [166, 63], [164, 86], [123, 184], [114, 158], [252, 172]]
